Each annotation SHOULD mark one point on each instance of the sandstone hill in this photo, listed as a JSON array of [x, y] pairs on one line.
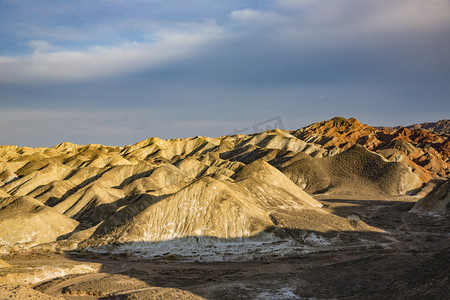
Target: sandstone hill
[[425, 152], [440, 127], [160, 196], [436, 202]]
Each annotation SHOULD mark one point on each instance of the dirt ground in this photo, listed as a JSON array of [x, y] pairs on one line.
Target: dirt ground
[[411, 261]]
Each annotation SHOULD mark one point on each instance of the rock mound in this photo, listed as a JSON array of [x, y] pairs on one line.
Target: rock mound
[[356, 170], [430, 153], [440, 127], [25, 220], [210, 211], [436, 202]]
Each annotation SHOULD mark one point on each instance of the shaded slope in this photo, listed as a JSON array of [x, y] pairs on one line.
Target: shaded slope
[[436, 202], [217, 209], [356, 170], [440, 127]]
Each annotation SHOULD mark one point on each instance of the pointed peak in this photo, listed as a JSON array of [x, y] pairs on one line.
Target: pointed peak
[[67, 145], [336, 124], [342, 122]]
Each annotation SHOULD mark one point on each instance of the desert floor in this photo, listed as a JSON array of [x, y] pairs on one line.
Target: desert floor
[[410, 261]]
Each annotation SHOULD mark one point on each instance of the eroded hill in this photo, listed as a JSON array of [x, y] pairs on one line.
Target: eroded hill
[[186, 196]]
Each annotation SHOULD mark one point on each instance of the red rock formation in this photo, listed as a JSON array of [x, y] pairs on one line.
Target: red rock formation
[[427, 151], [440, 127]]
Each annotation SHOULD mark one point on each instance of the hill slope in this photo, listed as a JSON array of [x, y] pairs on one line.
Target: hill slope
[[208, 191]]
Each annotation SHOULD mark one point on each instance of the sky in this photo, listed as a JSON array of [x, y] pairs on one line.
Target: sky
[[116, 72]]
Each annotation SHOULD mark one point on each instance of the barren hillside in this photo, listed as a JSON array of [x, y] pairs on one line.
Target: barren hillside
[[206, 191], [337, 186]]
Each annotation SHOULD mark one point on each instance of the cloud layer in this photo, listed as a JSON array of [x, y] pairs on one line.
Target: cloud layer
[[231, 63]]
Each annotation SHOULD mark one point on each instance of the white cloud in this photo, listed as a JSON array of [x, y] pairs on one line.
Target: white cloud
[[412, 15], [381, 15], [46, 63], [310, 23], [255, 17], [41, 46], [351, 24]]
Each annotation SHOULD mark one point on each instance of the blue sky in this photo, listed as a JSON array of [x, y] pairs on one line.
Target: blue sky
[[115, 72]]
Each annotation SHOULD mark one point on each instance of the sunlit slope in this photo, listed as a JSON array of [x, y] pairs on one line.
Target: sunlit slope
[[229, 187], [24, 220]]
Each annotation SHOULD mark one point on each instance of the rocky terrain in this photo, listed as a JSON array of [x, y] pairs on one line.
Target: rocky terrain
[[215, 217], [440, 127]]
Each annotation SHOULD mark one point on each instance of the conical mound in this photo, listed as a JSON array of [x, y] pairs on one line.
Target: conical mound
[[356, 170], [27, 221]]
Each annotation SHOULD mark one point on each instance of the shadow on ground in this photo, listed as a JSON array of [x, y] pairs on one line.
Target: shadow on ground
[[409, 261], [350, 273]]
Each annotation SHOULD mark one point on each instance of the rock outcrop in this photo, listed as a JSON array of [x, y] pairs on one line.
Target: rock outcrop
[[425, 152], [437, 202]]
